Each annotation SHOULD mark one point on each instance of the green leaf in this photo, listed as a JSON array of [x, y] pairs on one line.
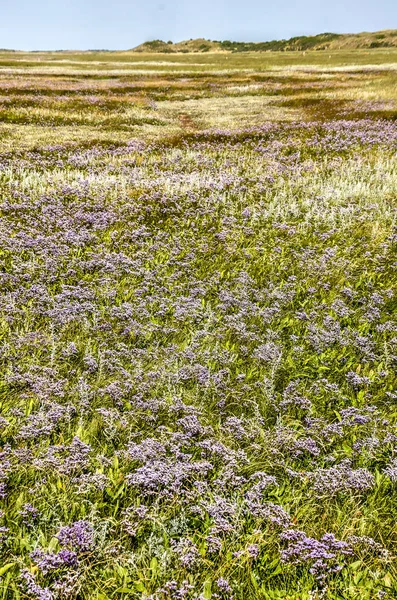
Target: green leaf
[[154, 563], [207, 591], [139, 586], [254, 580], [53, 543], [5, 568], [276, 571]]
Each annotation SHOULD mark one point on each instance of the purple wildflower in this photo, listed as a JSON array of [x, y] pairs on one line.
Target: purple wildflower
[[79, 536]]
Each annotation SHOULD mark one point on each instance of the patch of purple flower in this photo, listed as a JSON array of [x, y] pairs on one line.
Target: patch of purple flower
[[323, 557]]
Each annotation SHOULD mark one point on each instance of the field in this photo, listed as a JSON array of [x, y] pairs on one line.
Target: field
[[198, 326]]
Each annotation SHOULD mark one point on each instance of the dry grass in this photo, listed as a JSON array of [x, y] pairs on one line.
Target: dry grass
[[70, 98]]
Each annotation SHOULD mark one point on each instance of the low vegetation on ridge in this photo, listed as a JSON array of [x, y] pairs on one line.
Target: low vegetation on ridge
[[322, 41]]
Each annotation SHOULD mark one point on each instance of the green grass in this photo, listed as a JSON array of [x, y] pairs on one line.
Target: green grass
[[198, 278]]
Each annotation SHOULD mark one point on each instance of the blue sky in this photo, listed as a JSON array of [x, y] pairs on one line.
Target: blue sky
[[122, 24]]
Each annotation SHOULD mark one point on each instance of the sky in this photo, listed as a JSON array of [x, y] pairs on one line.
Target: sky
[[123, 24]]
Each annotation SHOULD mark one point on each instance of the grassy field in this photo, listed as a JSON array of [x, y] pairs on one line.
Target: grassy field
[[109, 98], [198, 326]]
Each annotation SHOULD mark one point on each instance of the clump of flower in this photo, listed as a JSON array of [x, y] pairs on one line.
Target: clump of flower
[[29, 515], [78, 536], [342, 478], [47, 561], [391, 470], [186, 553], [33, 589], [323, 557]]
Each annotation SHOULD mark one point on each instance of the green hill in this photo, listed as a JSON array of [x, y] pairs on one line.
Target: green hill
[[322, 41]]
